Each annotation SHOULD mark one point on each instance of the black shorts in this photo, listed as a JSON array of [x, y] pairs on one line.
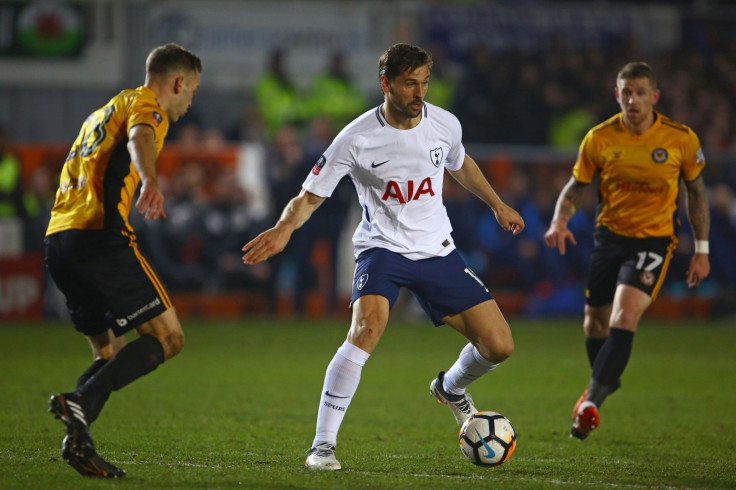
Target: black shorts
[[638, 262], [106, 280]]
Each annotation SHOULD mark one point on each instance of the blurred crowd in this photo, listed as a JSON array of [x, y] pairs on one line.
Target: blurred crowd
[[547, 99], [553, 97]]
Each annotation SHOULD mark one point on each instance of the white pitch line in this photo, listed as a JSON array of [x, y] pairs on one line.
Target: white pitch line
[[417, 475]]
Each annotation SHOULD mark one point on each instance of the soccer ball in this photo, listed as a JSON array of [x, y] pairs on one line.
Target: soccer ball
[[487, 439]]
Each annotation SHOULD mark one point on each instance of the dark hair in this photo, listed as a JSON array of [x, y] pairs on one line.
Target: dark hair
[[170, 57], [402, 57], [638, 69]]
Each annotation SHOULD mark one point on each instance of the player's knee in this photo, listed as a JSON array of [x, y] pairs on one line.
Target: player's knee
[[595, 328], [167, 330], [171, 339], [496, 350], [503, 351], [626, 319], [173, 344], [365, 335]]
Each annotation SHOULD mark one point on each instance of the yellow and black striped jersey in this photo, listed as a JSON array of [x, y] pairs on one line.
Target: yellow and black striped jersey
[[639, 174], [98, 179]]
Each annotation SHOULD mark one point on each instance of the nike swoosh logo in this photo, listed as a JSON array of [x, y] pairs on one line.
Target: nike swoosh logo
[[334, 396], [374, 164], [491, 453]]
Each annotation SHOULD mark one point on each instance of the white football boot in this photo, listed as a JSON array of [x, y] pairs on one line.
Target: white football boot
[[322, 457], [461, 405]]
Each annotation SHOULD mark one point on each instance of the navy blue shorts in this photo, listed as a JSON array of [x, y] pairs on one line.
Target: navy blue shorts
[[442, 285]]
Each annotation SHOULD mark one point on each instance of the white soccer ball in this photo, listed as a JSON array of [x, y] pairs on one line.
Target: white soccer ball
[[487, 439]]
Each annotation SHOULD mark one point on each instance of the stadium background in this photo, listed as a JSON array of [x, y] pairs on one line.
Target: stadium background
[[525, 78]]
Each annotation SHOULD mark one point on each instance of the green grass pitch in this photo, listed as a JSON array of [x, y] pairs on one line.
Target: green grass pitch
[[237, 408]]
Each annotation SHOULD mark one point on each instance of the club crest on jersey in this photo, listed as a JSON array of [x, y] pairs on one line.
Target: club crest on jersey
[[659, 155], [362, 280], [318, 166], [647, 278], [436, 156], [157, 118]]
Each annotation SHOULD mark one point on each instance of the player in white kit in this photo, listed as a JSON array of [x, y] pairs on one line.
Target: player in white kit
[[396, 156]]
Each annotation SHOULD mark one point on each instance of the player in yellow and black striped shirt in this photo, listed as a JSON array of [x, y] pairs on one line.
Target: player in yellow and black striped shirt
[[639, 156], [92, 253]]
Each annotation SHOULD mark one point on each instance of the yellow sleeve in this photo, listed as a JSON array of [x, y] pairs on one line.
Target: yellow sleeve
[[146, 111], [694, 161], [585, 167]]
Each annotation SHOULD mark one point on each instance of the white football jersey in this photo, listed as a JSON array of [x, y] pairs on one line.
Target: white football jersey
[[398, 174]]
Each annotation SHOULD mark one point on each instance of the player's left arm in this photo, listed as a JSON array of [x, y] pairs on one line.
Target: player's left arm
[[471, 177], [142, 149], [698, 214]]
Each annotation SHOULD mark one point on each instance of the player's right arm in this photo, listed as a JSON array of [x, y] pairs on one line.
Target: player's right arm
[[274, 240], [567, 204], [142, 149]]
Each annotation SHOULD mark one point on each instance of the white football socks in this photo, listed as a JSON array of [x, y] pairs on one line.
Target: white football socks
[[341, 382], [468, 367]]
